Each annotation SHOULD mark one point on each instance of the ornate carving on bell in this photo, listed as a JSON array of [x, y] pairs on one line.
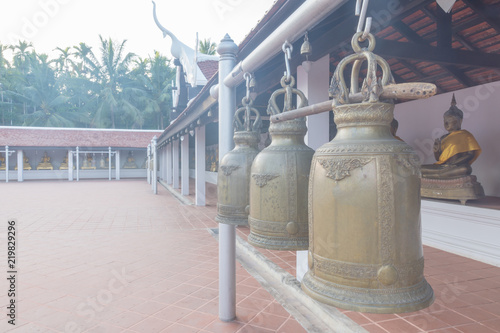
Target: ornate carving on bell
[[280, 173], [234, 170], [365, 248]]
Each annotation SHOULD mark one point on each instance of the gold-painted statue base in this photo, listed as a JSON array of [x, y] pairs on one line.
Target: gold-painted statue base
[[462, 188], [365, 248]]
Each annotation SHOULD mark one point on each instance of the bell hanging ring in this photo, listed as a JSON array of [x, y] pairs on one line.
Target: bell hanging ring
[[365, 247], [280, 172], [234, 171]]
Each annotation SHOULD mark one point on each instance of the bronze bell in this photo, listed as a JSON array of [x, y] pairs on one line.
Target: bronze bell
[[233, 178], [278, 199], [365, 247], [306, 48]]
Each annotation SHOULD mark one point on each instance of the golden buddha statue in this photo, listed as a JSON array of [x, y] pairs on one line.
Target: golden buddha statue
[[26, 163], [2, 162], [130, 164], [88, 163], [450, 177], [45, 163], [64, 163], [394, 129]]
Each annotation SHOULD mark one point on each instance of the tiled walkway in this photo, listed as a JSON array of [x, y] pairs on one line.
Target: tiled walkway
[[100, 256]]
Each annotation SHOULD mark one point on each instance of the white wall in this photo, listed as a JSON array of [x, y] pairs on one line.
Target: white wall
[[420, 122]]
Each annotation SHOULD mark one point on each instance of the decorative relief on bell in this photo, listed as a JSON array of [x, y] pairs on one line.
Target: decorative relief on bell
[[339, 168], [228, 169], [262, 180]]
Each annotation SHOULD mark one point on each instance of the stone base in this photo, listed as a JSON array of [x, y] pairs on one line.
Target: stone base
[[390, 300], [462, 188]]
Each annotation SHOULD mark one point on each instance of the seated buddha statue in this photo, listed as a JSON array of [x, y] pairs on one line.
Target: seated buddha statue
[[2, 162], [454, 151], [64, 163], [130, 164], [394, 129], [26, 163], [45, 163], [451, 176]]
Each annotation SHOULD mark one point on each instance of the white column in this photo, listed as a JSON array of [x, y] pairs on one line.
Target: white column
[[175, 164], [169, 163], [227, 233], [109, 163], [155, 166], [313, 81], [148, 161], [117, 165], [20, 165], [185, 164], [165, 162], [77, 164], [70, 165], [199, 146], [6, 164]]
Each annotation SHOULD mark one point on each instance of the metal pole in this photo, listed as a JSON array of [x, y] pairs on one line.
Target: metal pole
[[148, 156], [109, 163], [227, 233], [6, 164], [117, 165], [77, 164], [20, 161]]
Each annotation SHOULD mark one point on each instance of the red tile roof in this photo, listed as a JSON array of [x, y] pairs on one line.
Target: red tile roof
[[73, 137], [208, 68]]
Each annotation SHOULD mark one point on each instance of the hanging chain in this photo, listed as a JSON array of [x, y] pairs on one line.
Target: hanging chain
[[247, 76], [361, 9], [287, 49]]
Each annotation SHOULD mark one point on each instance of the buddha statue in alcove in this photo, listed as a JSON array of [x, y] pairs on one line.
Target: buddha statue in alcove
[[45, 163], [2, 162], [450, 177], [130, 164]]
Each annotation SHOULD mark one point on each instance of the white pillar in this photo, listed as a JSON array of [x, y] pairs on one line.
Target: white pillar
[[148, 161], [175, 164], [155, 166], [199, 146], [169, 163], [77, 164], [6, 164], [109, 163], [117, 165], [20, 165], [70, 165], [165, 162], [313, 81], [227, 233], [185, 164]]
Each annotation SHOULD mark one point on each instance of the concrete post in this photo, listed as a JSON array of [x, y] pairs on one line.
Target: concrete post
[[70, 165], [169, 163], [77, 164], [155, 166], [117, 165], [227, 233], [185, 164], [109, 163], [175, 164], [313, 81], [20, 165], [6, 164], [199, 146], [148, 161]]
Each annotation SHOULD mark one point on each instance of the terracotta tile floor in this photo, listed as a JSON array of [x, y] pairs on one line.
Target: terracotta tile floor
[[100, 256]]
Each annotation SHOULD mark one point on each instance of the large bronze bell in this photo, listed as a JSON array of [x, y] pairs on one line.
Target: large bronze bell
[[278, 199], [233, 178], [365, 248]]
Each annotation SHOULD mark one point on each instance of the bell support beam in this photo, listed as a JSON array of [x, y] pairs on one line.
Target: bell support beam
[[227, 232]]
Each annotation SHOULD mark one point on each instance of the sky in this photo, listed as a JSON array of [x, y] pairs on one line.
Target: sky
[[60, 23]]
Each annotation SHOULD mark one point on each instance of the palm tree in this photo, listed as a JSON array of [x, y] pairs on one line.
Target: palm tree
[[20, 55], [110, 72], [206, 46]]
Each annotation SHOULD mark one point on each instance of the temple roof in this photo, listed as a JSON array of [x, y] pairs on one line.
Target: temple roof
[[73, 137], [208, 68]]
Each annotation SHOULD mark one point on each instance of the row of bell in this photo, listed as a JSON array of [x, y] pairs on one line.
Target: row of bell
[[354, 203]]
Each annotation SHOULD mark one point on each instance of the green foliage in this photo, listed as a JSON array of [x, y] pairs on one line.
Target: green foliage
[[107, 89], [206, 46]]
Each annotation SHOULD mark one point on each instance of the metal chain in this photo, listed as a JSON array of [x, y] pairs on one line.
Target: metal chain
[[287, 49]]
